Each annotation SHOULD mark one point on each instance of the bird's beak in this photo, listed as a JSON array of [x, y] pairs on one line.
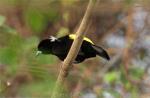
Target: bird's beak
[[38, 53]]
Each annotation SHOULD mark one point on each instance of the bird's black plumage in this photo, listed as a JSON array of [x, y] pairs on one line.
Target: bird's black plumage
[[60, 47]]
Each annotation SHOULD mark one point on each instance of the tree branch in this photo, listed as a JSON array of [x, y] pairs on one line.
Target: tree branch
[[67, 64]]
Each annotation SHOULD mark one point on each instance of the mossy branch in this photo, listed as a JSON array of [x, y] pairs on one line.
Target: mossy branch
[[67, 64]]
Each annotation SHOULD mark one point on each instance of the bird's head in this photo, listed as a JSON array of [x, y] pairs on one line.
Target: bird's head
[[45, 46]]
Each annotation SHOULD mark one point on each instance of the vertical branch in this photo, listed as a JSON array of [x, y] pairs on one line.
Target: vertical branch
[[67, 64], [128, 36], [129, 43]]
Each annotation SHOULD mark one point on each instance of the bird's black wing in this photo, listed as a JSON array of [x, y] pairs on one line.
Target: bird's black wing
[[61, 47], [64, 44], [87, 49], [101, 52]]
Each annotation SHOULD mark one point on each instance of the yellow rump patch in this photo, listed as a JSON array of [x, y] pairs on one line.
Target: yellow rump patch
[[72, 36]]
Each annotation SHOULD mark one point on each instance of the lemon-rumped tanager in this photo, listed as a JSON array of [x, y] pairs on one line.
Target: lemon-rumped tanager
[[61, 46]]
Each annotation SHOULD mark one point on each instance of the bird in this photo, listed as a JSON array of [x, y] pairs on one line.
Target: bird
[[61, 46]]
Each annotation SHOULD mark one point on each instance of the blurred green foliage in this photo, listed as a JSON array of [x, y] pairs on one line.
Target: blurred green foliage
[[40, 89], [2, 20], [110, 77], [38, 20], [35, 20], [17, 54]]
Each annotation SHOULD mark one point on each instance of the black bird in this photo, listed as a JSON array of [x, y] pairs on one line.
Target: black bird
[[60, 47]]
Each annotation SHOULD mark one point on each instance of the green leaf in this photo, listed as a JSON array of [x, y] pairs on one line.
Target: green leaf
[[7, 56], [36, 20], [2, 20], [7, 29], [111, 77], [136, 73]]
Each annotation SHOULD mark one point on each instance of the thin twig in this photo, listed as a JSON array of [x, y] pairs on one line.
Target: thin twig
[[67, 64]]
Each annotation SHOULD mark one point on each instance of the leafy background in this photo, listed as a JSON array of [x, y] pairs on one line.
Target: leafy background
[[121, 26]]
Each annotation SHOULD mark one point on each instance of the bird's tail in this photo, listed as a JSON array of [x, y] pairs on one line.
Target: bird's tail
[[101, 52]]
